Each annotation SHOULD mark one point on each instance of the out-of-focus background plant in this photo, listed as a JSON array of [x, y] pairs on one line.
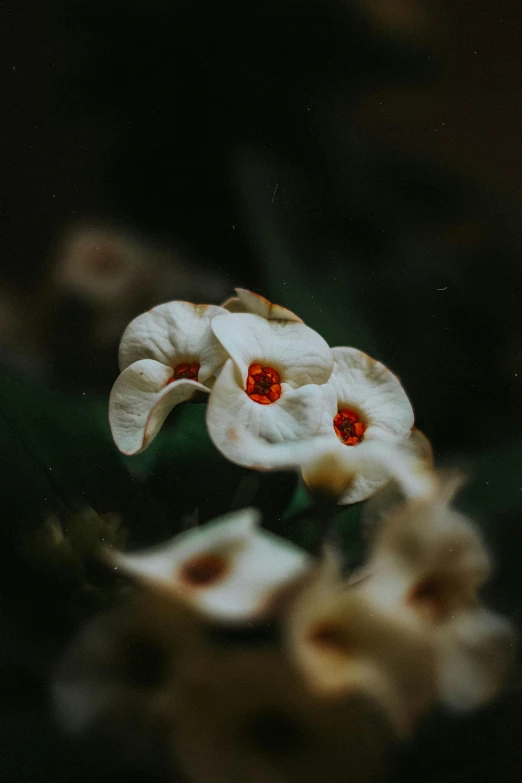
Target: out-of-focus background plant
[[355, 161]]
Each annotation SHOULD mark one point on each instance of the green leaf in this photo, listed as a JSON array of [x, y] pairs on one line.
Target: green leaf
[[55, 455]]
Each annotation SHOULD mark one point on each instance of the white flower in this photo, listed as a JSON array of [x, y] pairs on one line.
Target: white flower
[[228, 568], [427, 565], [166, 355], [364, 403], [408, 628], [343, 643], [248, 302], [268, 393]]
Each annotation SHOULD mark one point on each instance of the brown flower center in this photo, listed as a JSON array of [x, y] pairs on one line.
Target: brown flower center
[[204, 569], [185, 370], [263, 384], [348, 427]]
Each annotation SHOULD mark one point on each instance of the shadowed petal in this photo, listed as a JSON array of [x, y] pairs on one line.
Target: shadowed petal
[[476, 650], [141, 400], [354, 473], [249, 302]]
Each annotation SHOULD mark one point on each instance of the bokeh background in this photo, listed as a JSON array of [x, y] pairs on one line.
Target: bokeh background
[[357, 161]]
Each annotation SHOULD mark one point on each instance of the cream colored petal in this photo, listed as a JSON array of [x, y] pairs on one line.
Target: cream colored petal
[[427, 560], [342, 642], [249, 302], [172, 333], [409, 463], [295, 351], [261, 436], [476, 649], [367, 386], [141, 400], [245, 566], [354, 473], [228, 534], [420, 445]]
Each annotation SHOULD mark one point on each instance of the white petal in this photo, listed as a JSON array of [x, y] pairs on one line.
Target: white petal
[[342, 642], [255, 565], [295, 351], [475, 651], [427, 559], [261, 436], [373, 391], [249, 302], [226, 534], [141, 400], [172, 333], [409, 463], [354, 473]]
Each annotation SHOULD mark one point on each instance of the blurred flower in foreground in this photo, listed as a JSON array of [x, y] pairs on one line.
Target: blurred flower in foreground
[[269, 389], [228, 568], [361, 660], [409, 629], [156, 684], [165, 356], [427, 565], [118, 276]]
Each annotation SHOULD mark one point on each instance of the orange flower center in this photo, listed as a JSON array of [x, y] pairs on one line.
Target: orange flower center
[[185, 370], [262, 384], [348, 427]]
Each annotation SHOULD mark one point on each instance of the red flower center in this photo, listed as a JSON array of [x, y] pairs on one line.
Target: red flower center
[[262, 384], [348, 427], [185, 370]]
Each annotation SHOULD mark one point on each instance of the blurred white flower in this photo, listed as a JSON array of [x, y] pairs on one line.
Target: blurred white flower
[[343, 643], [249, 302], [427, 565], [408, 628], [117, 277], [165, 356], [229, 568], [268, 392]]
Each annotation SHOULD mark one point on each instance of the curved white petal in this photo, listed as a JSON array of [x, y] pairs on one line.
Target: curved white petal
[[373, 391], [253, 565], [409, 464], [261, 436], [354, 473], [426, 559], [172, 333], [141, 400], [295, 351], [249, 302]]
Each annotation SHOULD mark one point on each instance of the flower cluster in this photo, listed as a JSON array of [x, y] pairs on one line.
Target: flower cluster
[[342, 663], [279, 396]]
